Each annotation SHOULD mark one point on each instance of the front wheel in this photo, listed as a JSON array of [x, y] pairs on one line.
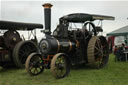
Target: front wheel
[[60, 65], [34, 64]]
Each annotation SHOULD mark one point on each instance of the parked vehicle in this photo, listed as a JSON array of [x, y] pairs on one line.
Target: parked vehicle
[[69, 46], [14, 49]]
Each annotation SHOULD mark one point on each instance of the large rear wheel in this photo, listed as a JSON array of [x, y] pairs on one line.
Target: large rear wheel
[[60, 65], [98, 51], [21, 51]]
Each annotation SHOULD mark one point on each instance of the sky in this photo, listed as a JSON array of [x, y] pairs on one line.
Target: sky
[[32, 11]]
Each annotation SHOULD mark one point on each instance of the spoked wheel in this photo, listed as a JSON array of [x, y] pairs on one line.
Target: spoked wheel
[[34, 64], [11, 38], [105, 50], [21, 51], [97, 52], [60, 65]]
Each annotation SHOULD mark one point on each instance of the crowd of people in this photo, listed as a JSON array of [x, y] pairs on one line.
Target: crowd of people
[[119, 52]]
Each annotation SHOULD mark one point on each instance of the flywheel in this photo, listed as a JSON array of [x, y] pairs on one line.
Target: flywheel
[[11, 38]]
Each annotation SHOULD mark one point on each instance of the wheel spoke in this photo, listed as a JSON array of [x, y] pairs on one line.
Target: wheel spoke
[[34, 66], [40, 67], [98, 44], [32, 70], [97, 51], [31, 67], [58, 66], [96, 48]]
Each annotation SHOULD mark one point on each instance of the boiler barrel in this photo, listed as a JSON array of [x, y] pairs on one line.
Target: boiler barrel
[[52, 46]]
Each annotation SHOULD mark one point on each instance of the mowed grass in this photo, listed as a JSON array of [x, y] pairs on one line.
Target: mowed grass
[[115, 73]]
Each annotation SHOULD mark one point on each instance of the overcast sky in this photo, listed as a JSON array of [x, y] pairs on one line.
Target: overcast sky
[[32, 11]]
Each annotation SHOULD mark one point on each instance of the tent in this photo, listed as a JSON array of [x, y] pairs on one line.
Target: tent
[[118, 36], [119, 32]]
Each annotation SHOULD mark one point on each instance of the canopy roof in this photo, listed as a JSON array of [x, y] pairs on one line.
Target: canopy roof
[[119, 32], [9, 25], [82, 17]]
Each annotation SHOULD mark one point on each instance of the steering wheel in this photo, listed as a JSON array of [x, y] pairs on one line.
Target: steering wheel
[[90, 24]]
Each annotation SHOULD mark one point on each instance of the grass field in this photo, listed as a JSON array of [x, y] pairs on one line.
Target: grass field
[[116, 73]]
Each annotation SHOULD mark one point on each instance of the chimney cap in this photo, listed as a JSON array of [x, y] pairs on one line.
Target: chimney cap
[[47, 5]]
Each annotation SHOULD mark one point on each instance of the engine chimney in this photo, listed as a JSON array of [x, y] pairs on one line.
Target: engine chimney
[[47, 16]]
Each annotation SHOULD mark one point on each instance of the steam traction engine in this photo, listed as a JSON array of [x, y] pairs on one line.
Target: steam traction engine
[[69, 46], [14, 49]]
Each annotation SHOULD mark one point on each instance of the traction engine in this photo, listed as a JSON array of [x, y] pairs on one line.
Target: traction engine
[[68, 46], [14, 49]]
